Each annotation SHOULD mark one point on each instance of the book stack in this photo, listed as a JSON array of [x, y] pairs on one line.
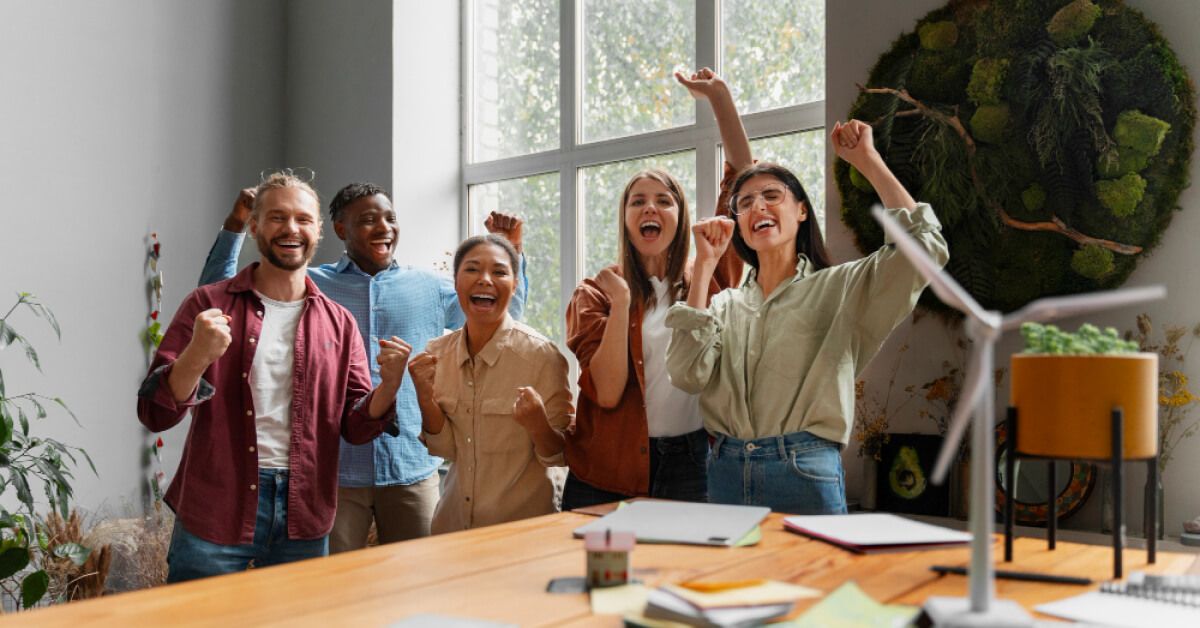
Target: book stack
[[729, 604]]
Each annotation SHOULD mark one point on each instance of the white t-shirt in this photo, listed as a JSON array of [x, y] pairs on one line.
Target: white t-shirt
[[271, 381], [669, 410]]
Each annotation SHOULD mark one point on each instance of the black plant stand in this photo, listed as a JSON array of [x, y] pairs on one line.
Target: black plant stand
[[1150, 505]]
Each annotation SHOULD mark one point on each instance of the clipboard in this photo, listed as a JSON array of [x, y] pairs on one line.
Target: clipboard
[[687, 523]]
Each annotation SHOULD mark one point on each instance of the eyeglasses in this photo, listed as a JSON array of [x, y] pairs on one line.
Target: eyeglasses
[[304, 174], [772, 195]]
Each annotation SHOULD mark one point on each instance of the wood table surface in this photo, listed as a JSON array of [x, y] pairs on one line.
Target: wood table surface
[[500, 573]]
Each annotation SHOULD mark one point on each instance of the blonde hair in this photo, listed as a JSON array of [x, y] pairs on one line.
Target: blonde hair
[[279, 181], [640, 290]]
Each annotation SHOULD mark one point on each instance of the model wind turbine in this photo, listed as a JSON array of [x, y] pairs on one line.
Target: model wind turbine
[[984, 328]]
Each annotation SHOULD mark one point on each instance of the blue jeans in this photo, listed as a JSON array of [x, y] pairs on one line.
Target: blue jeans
[[794, 473], [191, 557], [677, 471]]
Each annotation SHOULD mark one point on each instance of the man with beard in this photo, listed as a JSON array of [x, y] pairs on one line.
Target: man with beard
[[273, 372], [393, 480]]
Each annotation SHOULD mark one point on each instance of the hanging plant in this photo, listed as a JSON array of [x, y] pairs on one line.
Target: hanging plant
[[1052, 138]]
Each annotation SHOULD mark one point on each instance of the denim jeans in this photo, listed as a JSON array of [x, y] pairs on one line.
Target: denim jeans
[[677, 471], [794, 473], [191, 557]]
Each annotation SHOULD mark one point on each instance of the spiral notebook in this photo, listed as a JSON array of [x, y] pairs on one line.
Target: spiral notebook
[[1143, 600]]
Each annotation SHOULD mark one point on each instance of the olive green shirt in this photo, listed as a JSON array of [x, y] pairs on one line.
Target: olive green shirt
[[787, 363]]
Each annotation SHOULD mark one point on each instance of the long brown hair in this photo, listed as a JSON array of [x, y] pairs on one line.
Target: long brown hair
[[808, 238], [640, 290]]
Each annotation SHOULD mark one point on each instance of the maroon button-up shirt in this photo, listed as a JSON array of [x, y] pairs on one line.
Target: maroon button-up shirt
[[215, 490]]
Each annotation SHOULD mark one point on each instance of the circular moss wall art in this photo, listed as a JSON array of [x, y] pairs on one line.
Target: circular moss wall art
[[1051, 137]]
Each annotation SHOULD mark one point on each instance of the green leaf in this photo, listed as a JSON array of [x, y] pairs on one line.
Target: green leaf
[[41, 410], [23, 494], [30, 353], [74, 551], [1, 381], [12, 560], [62, 403], [44, 312], [33, 587], [8, 335], [24, 421], [89, 460], [6, 429]]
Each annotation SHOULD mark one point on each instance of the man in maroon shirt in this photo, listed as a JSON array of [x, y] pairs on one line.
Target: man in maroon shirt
[[274, 372]]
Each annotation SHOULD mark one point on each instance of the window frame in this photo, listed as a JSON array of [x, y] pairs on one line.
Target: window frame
[[573, 155]]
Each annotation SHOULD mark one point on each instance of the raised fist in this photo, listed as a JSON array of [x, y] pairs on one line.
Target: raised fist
[[528, 411], [210, 336], [393, 354], [712, 238]]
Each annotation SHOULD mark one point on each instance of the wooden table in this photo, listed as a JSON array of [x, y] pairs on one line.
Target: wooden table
[[500, 573]]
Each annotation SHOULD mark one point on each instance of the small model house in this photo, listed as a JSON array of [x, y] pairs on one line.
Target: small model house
[[608, 557]]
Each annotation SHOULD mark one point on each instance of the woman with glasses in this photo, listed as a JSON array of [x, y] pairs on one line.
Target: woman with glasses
[[494, 399], [635, 433], [775, 361]]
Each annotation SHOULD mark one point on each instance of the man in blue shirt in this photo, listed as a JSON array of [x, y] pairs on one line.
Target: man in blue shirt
[[393, 480]]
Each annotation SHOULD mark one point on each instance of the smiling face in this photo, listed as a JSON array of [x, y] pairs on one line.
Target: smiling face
[[651, 217], [286, 225], [369, 228], [771, 216], [485, 282]]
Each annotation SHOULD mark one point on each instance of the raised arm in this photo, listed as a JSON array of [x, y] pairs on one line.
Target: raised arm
[[609, 365], [196, 337], [438, 434], [221, 262], [706, 85], [855, 143], [511, 227]]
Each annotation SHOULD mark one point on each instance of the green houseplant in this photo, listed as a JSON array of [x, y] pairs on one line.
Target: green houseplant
[[24, 456]]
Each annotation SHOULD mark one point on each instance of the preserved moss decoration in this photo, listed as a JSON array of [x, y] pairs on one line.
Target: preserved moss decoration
[[1072, 22], [1052, 138]]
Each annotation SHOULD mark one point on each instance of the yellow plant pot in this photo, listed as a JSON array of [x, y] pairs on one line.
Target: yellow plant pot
[[1064, 404]]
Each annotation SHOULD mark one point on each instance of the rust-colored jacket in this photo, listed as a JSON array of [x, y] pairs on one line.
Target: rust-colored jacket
[[609, 448]]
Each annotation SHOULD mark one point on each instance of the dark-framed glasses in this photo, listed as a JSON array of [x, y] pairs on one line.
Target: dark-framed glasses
[[772, 195]]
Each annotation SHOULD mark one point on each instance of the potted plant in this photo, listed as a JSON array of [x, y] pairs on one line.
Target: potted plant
[[25, 456], [1065, 387]]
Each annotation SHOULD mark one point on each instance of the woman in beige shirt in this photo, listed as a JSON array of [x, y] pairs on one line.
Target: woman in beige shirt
[[775, 360], [494, 399]]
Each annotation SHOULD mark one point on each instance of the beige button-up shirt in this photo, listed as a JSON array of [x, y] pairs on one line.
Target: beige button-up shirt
[[495, 474], [787, 363]]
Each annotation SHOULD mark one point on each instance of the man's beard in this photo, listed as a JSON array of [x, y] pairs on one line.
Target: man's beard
[[264, 247]]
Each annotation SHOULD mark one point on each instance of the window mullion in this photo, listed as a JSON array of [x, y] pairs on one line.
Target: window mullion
[[570, 15], [707, 55]]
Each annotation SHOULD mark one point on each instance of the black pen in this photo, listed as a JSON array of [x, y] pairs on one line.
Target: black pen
[[1019, 575]]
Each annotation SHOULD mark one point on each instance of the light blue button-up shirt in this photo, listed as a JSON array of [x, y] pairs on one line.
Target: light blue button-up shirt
[[412, 304]]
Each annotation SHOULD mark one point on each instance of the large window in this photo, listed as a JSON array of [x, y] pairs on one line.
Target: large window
[[566, 99]]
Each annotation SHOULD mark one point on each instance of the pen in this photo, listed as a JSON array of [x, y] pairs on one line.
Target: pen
[[713, 587], [1018, 575]]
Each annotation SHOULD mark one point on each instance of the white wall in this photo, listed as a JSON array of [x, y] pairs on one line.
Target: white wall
[[118, 119], [854, 43], [427, 120]]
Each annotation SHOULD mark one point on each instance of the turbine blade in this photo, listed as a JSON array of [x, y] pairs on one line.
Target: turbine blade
[[940, 281], [1052, 308], [978, 377]]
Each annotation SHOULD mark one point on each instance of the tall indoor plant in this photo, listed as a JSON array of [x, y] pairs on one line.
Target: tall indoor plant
[[25, 456]]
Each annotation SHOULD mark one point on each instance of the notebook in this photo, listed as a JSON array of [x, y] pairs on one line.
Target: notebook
[[876, 532], [1144, 600], [681, 522]]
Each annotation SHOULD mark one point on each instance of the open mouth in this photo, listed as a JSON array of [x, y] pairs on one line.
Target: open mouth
[[650, 229], [290, 244], [764, 224], [483, 301], [381, 246]]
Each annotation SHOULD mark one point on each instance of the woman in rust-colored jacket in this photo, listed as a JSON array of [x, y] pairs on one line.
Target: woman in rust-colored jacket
[[635, 433]]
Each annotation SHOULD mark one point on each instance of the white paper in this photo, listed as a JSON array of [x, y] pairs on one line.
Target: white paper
[[876, 529], [1108, 609]]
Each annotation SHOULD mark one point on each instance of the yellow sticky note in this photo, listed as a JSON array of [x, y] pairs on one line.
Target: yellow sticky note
[[627, 599]]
